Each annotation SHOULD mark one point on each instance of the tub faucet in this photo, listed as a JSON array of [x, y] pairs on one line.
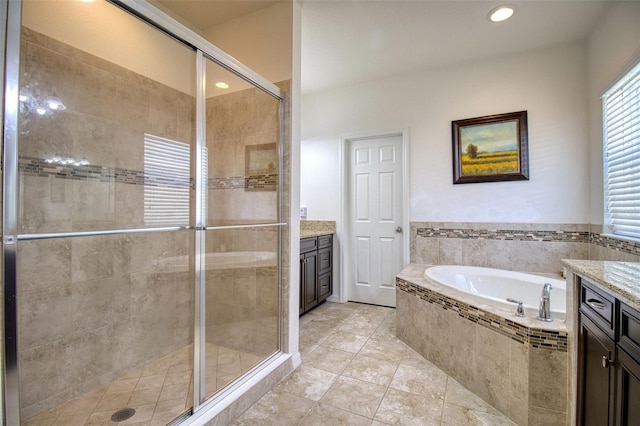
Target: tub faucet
[[544, 312], [519, 309]]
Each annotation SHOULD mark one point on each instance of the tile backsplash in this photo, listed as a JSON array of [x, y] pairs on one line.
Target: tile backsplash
[[514, 246]]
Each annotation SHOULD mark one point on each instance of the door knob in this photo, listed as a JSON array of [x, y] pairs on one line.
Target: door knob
[[399, 229]]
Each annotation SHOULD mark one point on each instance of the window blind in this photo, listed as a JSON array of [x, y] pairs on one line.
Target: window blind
[[166, 182], [621, 116]]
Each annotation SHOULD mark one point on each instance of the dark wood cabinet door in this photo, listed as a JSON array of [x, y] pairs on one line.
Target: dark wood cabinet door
[[628, 393], [310, 280], [316, 265], [302, 286], [597, 374]]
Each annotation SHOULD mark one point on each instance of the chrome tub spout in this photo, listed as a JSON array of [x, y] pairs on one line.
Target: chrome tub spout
[[544, 312]]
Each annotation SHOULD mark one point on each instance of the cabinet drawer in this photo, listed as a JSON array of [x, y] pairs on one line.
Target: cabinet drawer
[[324, 260], [598, 306], [630, 331], [308, 244], [325, 241], [324, 287]]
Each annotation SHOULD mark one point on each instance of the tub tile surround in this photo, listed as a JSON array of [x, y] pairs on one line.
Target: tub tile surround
[[523, 247], [512, 363], [314, 228], [511, 246]]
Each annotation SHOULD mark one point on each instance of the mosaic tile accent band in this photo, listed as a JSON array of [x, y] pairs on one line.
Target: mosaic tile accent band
[[39, 167], [615, 244], [529, 235], [537, 338], [505, 234]]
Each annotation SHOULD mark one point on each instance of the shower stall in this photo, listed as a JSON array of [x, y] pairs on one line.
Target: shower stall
[[144, 216]]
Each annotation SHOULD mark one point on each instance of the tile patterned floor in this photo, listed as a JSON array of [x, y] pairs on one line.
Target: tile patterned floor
[[159, 392], [356, 372]]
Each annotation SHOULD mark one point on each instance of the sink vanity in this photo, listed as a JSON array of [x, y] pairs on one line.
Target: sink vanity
[[316, 262], [606, 323]]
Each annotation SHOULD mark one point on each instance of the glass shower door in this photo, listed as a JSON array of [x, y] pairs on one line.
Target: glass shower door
[[105, 250], [242, 221], [137, 202]]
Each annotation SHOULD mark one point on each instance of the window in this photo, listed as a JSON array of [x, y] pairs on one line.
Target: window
[[621, 116], [166, 182]]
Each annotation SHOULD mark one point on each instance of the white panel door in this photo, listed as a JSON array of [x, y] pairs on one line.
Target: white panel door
[[375, 216]]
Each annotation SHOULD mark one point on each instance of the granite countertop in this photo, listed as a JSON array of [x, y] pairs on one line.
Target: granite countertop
[[315, 228], [310, 234], [621, 279]]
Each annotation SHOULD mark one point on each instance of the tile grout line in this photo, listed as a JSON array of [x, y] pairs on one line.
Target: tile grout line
[[390, 381]]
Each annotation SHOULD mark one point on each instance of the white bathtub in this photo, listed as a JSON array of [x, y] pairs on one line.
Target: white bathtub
[[493, 286], [222, 260]]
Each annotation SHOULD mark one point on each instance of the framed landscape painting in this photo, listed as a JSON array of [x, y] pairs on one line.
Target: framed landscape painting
[[490, 149]]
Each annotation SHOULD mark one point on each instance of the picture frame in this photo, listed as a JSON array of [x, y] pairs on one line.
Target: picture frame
[[261, 167], [492, 148]]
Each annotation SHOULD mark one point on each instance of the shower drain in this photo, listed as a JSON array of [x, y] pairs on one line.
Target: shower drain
[[122, 415]]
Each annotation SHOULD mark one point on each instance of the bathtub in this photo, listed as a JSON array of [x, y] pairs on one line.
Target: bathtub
[[494, 286], [458, 319], [220, 260]]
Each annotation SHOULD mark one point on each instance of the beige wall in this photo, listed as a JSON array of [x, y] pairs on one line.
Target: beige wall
[[106, 31], [261, 40]]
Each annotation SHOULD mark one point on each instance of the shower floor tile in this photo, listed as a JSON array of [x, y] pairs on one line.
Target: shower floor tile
[[159, 391]]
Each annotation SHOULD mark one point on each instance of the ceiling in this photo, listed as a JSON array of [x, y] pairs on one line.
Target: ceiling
[[204, 14], [346, 42]]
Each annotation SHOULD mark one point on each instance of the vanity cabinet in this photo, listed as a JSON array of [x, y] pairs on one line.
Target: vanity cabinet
[[628, 404], [316, 271], [608, 359]]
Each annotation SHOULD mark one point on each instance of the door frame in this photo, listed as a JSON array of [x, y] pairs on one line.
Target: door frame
[[343, 227]]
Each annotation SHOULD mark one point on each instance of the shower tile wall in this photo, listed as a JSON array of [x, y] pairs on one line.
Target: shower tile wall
[[242, 298], [109, 108], [235, 122], [93, 308], [242, 302], [514, 246]]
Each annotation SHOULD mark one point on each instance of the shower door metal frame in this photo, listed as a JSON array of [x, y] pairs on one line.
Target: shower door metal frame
[[11, 375], [11, 20]]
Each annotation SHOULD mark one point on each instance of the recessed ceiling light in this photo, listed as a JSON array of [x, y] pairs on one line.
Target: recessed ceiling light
[[222, 85], [501, 13]]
